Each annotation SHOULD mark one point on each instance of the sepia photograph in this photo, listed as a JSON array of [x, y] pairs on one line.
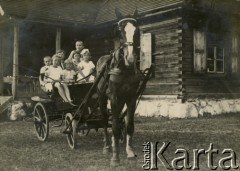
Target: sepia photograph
[[119, 85]]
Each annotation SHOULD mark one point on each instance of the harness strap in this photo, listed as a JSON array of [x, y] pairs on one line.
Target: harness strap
[[128, 44]]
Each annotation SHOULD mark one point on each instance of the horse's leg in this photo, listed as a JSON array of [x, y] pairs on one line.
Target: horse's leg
[[116, 107], [103, 108], [131, 104]]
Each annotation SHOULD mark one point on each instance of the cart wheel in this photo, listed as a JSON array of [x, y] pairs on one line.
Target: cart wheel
[[41, 122], [71, 135]]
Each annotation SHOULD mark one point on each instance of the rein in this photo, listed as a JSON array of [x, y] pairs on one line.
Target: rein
[[52, 78], [117, 71]]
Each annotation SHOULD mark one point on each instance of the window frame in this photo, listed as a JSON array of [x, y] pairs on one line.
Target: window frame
[[215, 59], [199, 66]]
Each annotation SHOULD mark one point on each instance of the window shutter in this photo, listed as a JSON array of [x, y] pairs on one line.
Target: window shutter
[[235, 53], [146, 51], [199, 41]]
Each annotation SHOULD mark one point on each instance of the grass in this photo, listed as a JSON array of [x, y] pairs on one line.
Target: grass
[[20, 149]]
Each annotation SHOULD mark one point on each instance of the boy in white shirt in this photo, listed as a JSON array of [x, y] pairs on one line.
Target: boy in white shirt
[[86, 67], [79, 47]]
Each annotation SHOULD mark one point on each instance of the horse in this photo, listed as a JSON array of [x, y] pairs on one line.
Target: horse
[[119, 84]]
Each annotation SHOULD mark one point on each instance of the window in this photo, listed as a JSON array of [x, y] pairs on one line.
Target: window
[[208, 53], [215, 59], [146, 51]]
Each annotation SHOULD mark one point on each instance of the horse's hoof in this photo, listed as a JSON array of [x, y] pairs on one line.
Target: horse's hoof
[[131, 157], [130, 153], [115, 162], [106, 150]]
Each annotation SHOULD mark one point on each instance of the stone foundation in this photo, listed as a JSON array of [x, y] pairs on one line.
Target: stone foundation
[[171, 107]]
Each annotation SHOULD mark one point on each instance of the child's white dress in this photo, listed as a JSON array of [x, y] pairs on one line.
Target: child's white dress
[[52, 74], [86, 68]]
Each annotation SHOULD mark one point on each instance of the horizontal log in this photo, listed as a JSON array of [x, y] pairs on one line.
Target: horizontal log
[[173, 25], [167, 70], [167, 36], [162, 55], [167, 74], [167, 40], [168, 31], [167, 51], [168, 46], [160, 24], [210, 89], [162, 30], [167, 65], [164, 80], [162, 83], [161, 89], [167, 59]]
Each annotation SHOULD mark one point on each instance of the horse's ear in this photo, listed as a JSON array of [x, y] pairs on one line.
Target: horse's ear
[[135, 14], [118, 14]]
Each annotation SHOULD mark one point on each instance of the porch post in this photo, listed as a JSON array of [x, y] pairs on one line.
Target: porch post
[[58, 39], [1, 65], [15, 58]]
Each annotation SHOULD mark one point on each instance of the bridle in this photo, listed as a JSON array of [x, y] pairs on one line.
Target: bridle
[[126, 19], [118, 55], [120, 29]]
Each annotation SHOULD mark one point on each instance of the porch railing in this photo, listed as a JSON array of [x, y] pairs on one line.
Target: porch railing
[[27, 86]]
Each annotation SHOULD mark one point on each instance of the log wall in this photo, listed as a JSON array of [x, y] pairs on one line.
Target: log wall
[[166, 56], [207, 84]]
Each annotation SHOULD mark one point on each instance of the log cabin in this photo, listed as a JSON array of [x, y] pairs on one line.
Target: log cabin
[[193, 44]]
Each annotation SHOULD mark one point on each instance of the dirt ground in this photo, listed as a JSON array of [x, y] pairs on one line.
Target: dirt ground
[[21, 150]]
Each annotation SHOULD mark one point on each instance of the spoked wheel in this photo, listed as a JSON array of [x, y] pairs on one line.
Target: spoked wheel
[[71, 125], [41, 122]]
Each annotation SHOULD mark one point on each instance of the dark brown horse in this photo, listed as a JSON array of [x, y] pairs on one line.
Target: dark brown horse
[[121, 86]]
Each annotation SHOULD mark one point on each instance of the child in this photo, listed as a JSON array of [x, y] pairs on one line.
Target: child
[[79, 47], [47, 61], [61, 55], [53, 78], [86, 67], [75, 60], [68, 74]]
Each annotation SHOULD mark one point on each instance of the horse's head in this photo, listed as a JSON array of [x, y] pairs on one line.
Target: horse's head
[[128, 29]]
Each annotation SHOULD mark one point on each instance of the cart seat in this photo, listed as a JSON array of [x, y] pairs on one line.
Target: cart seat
[[77, 93]]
